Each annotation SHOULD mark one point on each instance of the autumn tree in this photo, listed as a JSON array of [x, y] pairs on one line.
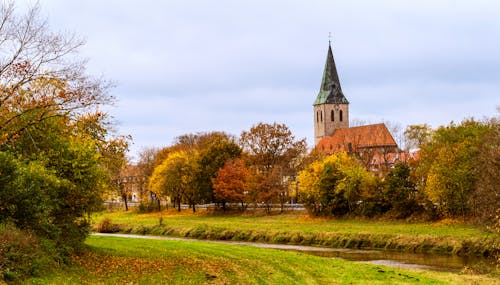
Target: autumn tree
[[174, 178], [231, 183], [212, 157], [334, 185], [448, 166], [51, 130], [485, 200], [417, 135], [274, 155], [145, 167], [210, 151], [39, 78]]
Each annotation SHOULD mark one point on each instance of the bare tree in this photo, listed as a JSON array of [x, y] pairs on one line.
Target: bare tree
[[40, 77]]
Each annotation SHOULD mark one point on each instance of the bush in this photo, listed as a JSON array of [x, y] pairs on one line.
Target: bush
[[107, 226], [22, 254], [148, 207]]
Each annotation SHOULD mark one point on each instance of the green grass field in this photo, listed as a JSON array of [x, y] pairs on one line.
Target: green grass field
[[445, 237], [113, 260], [298, 222]]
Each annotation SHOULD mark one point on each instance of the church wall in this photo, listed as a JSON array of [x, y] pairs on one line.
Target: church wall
[[323, 124]]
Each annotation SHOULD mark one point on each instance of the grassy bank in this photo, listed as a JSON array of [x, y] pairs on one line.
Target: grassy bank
[[113, 260], [444, 238]]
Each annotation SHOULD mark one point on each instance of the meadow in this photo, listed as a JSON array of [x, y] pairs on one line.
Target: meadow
[[114, 260], [446, 237]]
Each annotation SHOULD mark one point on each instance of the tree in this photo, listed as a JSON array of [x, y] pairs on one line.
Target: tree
[[334, 185], [417, 135], [38, 77], [485, 200], [145, 168], [212, 157], [174, 178], [448, 166], [231, 183], [274, 154], [50, 130], [400, 191]]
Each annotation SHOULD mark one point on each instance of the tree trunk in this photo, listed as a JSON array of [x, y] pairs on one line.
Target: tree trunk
[[125, 202], [178, 204]]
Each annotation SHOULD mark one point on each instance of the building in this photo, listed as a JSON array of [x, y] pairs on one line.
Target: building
[[373, 144], [331, 108]]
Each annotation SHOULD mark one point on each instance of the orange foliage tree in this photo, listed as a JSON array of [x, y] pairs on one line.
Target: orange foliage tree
[[231, 183]]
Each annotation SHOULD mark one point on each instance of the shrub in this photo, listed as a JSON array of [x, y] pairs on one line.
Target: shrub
[[107, 226], [22, 254]]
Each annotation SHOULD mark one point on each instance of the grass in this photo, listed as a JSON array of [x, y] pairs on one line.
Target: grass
[[298, 228], [298, 222], [113, 260]]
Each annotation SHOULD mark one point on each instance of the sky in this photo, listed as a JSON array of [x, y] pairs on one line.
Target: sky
[[197, 66]]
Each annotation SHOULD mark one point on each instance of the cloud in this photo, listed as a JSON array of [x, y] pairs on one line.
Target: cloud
[[192, 66]]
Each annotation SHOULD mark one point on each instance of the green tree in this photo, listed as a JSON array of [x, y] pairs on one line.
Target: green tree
[[51, 129], [335, 185], [211, 158], [448, 166], [400, 191]]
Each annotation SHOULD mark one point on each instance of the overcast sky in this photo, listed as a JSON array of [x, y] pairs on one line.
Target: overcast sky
[[196, 66]]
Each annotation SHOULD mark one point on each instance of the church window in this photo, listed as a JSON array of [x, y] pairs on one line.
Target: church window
[[332, 116], [321, 115], [340, 115], [317, 116]]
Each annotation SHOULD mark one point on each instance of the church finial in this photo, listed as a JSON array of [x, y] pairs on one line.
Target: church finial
[[329, 38]]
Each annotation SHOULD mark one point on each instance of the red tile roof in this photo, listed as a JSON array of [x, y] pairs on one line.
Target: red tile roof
[[355, 138]]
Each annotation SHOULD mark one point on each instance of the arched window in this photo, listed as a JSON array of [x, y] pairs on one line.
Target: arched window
[[317, 116], [340, 115], [321, 115], [332, 116]]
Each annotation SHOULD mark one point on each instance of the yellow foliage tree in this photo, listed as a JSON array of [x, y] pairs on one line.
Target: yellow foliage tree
[[334, 184], [174, 177]]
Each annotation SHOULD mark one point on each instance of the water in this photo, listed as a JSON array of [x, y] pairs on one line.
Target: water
[[396, 259]]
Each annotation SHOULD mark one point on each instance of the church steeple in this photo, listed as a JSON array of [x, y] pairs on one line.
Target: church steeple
[[331, 108], [330, 91]]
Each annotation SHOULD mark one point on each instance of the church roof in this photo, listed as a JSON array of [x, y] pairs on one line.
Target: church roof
[[356, 138], [330, 91]]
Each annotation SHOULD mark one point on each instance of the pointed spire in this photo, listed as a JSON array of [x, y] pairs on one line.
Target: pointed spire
[[330, 91]]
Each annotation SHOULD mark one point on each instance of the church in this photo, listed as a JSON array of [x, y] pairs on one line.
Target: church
[[373, 144]]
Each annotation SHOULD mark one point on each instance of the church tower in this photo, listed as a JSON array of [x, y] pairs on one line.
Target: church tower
[[331, 108]]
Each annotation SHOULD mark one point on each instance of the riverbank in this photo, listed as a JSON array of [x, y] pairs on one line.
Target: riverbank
[[114, 260], [300, 229]]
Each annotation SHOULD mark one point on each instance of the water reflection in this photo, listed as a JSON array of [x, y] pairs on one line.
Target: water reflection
[[405, 260]]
